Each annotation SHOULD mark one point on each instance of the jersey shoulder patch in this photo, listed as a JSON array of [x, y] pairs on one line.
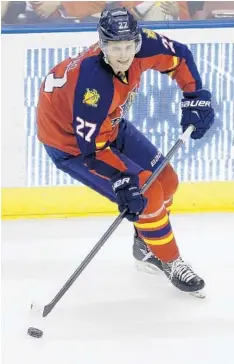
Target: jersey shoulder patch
[[149, 33], [151, 44], [94, 91]]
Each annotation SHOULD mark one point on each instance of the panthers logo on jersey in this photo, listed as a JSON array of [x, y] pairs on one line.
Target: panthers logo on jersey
[[91, 97], [125, 107], [149, 33]]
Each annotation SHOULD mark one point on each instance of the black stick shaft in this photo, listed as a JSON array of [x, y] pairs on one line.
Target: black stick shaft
[[48, 308]]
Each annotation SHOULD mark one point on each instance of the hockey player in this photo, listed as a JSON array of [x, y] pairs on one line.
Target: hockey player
[[80, 119]]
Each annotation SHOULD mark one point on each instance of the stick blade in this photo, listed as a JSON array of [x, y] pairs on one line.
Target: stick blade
[[47, 309]]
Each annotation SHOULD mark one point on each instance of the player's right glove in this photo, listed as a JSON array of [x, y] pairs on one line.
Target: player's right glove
[[127, 193]]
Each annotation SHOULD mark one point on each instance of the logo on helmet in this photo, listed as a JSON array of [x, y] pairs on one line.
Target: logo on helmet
[[91, 97], [149, 33]]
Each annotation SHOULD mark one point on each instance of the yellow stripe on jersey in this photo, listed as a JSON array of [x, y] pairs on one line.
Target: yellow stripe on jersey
[[123, 77], [100, 145], [152, 225], [160, 241], [176, 61]]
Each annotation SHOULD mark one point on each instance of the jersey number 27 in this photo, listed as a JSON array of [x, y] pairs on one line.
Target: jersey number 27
[[52, 82]]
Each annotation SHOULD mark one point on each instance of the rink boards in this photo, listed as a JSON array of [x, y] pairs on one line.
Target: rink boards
[[31, 184], [75, 200]]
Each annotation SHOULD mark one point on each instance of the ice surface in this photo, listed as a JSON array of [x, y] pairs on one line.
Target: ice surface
[[114, 314]]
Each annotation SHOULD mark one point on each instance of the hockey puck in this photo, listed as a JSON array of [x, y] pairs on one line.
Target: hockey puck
[[32, 331]]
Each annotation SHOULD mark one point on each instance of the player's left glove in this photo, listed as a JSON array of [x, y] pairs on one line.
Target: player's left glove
[[128, 196], [197, 110]]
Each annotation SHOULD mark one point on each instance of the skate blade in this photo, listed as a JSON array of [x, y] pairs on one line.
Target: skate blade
[[198, 294], [146, 267]]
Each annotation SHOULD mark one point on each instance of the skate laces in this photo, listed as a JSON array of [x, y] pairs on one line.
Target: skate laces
[[144, 249], [147, 255], [182, 270]]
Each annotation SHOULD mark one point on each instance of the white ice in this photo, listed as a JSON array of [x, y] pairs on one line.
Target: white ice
[[114, 314]]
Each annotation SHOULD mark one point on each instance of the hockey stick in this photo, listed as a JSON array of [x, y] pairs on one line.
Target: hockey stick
[[48, 308]]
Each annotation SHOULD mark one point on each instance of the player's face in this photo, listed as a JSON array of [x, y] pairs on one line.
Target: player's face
[[121, 54]]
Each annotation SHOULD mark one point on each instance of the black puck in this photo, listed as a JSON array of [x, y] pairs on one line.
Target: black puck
[[32, 331]]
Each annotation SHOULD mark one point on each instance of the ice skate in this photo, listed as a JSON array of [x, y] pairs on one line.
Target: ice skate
[[183, 277], [146, 261]]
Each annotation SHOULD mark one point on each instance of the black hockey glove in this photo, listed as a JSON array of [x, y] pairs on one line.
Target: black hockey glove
[[197, 110], [127, 193]]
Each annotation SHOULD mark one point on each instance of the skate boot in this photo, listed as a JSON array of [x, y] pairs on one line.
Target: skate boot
[[146, 261], [183, 277]]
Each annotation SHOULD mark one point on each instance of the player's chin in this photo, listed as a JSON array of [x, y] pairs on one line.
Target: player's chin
[[123, 66]]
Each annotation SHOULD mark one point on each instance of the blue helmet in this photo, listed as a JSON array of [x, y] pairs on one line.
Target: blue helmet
[[118, 25]]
